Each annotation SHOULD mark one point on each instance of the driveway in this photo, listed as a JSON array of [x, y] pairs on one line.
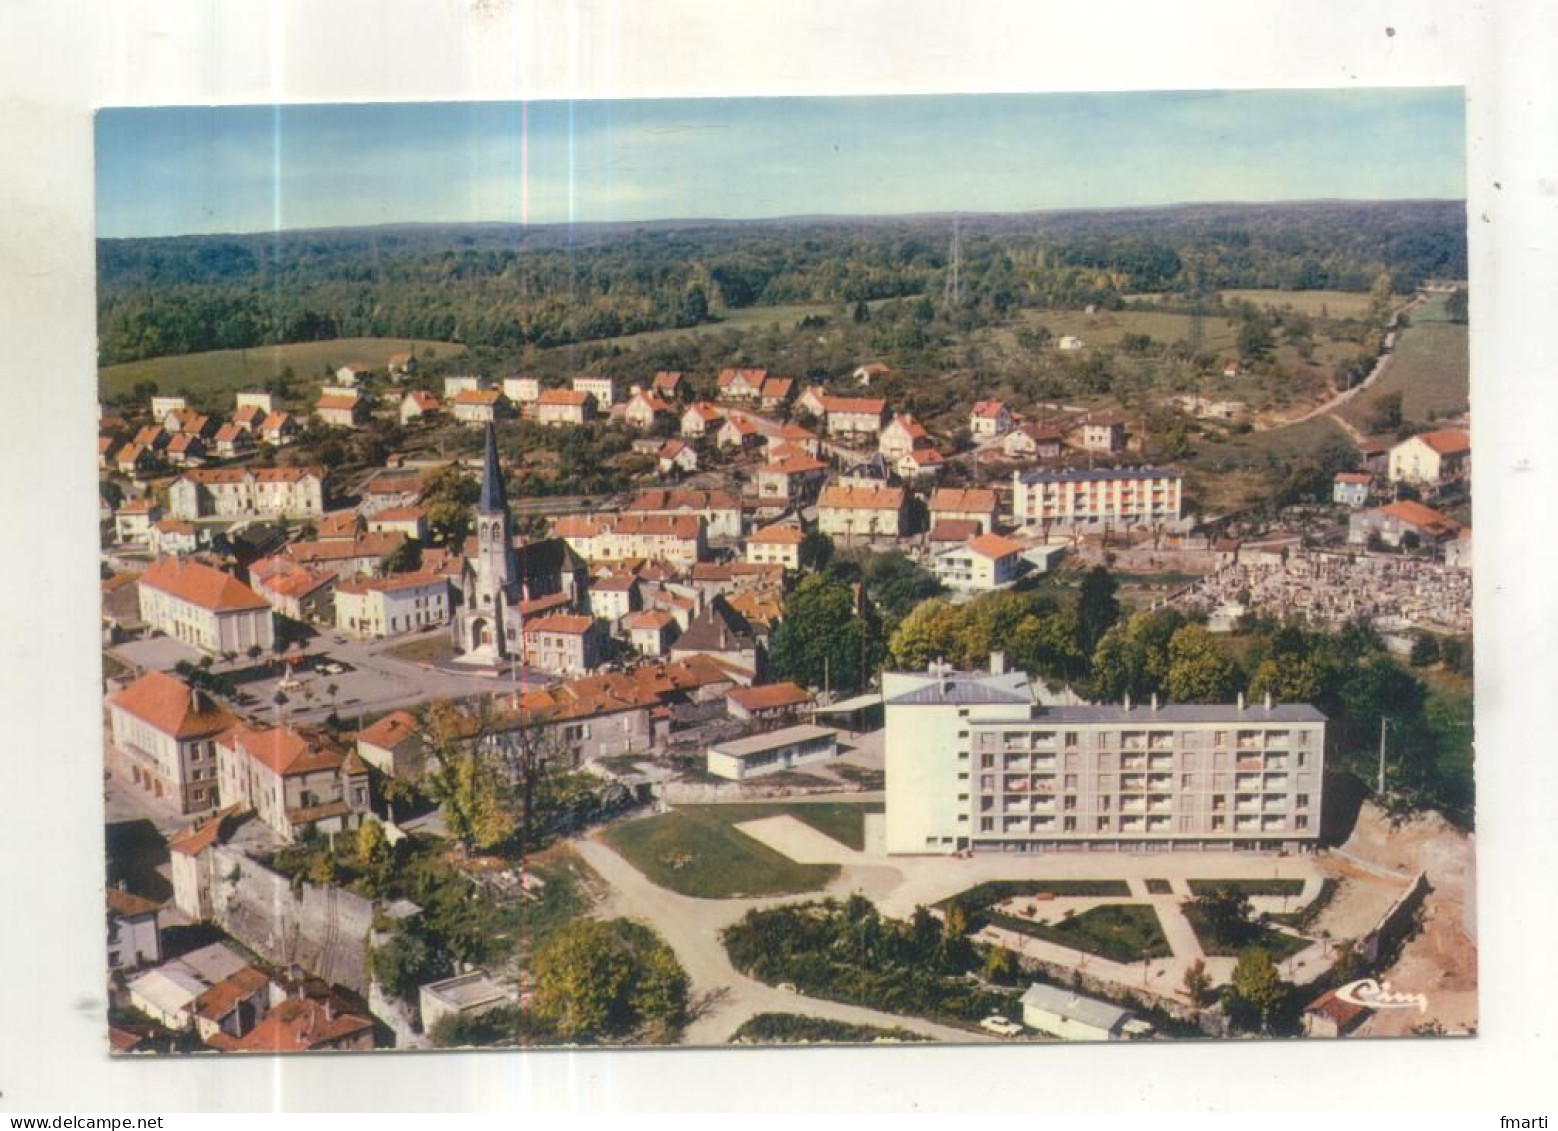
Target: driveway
[[691, 927]]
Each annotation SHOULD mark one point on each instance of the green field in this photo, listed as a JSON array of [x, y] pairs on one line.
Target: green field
[[1335, 304], [1278, 944], [1120, 932], [213, 376], [1248, 887], [1431, 370], [991, 892], [843, 821], [741, 320], [1221, 472], [697, 852], [1107, 327]]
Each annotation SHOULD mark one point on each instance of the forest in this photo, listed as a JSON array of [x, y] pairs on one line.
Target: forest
[[512, 287]]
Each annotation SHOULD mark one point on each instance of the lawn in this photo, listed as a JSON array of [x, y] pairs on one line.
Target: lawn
[[1278, 944], [1431, 370], [422, 651], [1120, 932], [991, 892], [843, 821], [1107, 327], [1335, 304], [1160, 887], [1223, 472], [214, 375], [795, 1029], [1248, 887], [696, 852]]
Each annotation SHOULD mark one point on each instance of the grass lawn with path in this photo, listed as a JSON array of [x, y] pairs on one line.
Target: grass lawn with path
[[843, 821], [696, 851], [1278, 944], [1120, 932], [1273, 887], [991, 892]]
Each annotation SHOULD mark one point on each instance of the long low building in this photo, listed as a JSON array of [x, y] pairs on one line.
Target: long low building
[[772, 752], [974, 762], [204, 607], [1089, 496]]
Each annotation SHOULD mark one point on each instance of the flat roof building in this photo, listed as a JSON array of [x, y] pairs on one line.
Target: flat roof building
[[772, 752]]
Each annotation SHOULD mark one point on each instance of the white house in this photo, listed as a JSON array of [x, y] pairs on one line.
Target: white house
[[204, 607], [741, 384], [989, 419], [677, 455], [983, 563], [699, 418], [454, 386], [386, 606], [871, 511], [1351, 488], [522, 390], [162, 736], [416, 405], [854, 416], [776, 545], [720, 511], [482, 406], [564, 406], [603, 389], [1431, 459], [902, 435]]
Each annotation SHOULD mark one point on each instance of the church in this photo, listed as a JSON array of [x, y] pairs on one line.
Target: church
[[502, 583]]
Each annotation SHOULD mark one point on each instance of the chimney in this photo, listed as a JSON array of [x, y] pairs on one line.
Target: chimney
[[1268, 700], [1241, 702], [997, 663], [1154, 702]]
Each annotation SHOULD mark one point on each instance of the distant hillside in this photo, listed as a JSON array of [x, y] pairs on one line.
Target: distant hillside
[[509, 286]]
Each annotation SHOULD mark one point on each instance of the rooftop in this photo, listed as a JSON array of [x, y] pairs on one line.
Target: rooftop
[[771, 740]]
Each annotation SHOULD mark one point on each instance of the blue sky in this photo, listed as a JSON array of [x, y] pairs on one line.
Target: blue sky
[[170, 171]]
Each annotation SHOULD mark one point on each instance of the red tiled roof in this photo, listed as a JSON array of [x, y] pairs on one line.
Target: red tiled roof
[[1417, 514], [653, 619], [957, 500], [994, 546], [280, 749], [1354, 477], [201, 585], [485, 398], [954, 529], [672, 448], [768, 697], [565, 624], [218, 1001], [300, 1025], [777, 387], [336, 400], [681, 499], [777, 536], [173, 707], [753, 377], [1338, 1010], [570, 397], [392, 584], [873, 406], [861, 498], [127, 903], [423, 399], [393, 729], [1446, 441], [667, 379], [989, 408]]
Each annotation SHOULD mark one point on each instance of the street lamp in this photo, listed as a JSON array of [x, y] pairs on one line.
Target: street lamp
[[1384, 723]]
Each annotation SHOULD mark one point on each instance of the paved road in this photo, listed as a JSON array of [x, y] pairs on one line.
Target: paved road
[[691, 927], [1341, 398]]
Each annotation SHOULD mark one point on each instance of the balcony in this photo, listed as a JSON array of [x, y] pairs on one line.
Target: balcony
[[1162, 763], [1273, 824], [1278, 762], [1133, 782], [1133, 805], [1249, 764], [1015, 785], [1246, 824], [1133, 762], [1277, 782], [1163, 740], [1246, 781]]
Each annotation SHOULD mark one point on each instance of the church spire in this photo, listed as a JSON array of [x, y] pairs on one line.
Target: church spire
[[492, 499]]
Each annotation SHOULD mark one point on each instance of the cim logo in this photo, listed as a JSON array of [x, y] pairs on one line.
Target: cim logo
[[1378, 995]]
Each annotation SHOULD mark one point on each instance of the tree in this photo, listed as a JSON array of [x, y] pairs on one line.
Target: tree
[[1256, 991], [1001, 966], [1385, 415], [410, 959], [826, 636], [598, 979], [1425, 650], [1198, 983], [816, 550], [929, 632], [1226, 913], [1198, 672], [1097, 607], [1119, 666], [536, 754], [465, 778]]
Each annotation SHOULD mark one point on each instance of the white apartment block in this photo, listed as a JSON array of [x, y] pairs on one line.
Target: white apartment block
[[603, 389], [1085, 497], [372, 607], [235, 492], [522, 390], [973, 762], [875, 512]]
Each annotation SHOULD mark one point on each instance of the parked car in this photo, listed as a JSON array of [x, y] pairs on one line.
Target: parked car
[[1000, 1026]]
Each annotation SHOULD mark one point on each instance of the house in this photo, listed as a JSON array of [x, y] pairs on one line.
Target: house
[[776, 391], [410, 521], [172, 536], [669, 383], [1402, 523], [676, 539], [983, 563], [1330, 1015], [564, 643], [699, 418], [772, 752], [677, 455], [393, 745], [133, 936], [854, 416], [1431, 459], [295, 783], [162, 736], [1376, 456], [921, 463], [1068, 343], [813, 402], [1071, 1016], [241, 492], [902, 435], [651, 631], [188, 422], [741, 384], [135, 460], [1103, 432], [347, 557], [556, 407], [872, 511], [167, 995], [403, 364], [766, 701], [522, 390], [295, 591], [105, 451], [477, 406], [725, 636], [404, 602], [946, 533], [307, 1025], [975, 504], [417, 405], [644, 409], [792, 435], [279, 429], [465, 383], [776, 545], [134, 519], [721, 513], [1351, 488], [864, 375], [792, 477], [739, 433], [465, 995], [232, 440], [603, 389], [388, 490], [1032, 441], [249, 417], [231, 1007], [204, 607], [335, 410], [255, 400], [185, 450], [165, 406], [989, 419], [353, 374], [614, 597]]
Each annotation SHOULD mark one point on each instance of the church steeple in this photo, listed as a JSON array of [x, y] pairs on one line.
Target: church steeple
[[492, 500]]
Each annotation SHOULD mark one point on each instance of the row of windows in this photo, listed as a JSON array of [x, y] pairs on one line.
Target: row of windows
[[1129, 825]]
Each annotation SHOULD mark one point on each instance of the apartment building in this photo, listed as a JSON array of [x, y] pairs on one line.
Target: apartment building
[[974, 762], [404, 602], [1087, 496], [240, 492]]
